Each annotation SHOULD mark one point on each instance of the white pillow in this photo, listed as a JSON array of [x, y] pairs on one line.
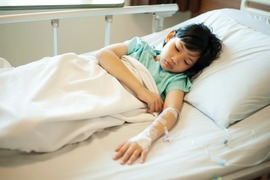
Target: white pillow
[[238, 84]]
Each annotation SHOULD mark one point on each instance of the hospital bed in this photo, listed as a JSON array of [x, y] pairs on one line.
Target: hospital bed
[[222, 132]]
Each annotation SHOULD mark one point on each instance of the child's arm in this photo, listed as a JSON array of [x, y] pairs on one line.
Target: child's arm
[[110, 59], [140, 144]]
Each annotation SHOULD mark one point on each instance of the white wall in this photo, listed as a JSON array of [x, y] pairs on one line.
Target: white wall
[[21, 43]]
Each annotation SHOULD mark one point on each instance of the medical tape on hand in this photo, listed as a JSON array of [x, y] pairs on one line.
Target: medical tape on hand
[[146, 137], [172, 110], [164, 122], [164, 112]]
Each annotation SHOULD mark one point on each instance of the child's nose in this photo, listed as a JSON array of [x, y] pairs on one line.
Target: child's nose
[[174, 60], [177, 58]]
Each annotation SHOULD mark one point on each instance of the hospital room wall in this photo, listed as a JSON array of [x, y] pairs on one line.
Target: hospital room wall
[[22, 43]]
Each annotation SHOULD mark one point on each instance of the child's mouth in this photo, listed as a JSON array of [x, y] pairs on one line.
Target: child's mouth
[[167, 64]]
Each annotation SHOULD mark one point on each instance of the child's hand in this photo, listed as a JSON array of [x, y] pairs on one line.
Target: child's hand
[[130, 152], [153, 101]]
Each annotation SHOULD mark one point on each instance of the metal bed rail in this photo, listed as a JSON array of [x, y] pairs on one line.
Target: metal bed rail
[[159, 13], [245, 5]]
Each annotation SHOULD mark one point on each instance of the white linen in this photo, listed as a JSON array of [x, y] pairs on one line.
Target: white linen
[[247, 19], [64, 99], [179, 159], [237, 84]]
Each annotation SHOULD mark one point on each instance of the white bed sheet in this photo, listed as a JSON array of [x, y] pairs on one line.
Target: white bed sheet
[[61, 99], [179, 159], [195, 152]]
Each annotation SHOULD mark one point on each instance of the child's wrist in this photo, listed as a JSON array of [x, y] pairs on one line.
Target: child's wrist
[[145, 138], [140, 90]]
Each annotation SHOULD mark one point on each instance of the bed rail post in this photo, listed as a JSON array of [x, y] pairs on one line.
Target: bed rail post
[[245, 5], [109, 19], [55, 25], [158, 21]]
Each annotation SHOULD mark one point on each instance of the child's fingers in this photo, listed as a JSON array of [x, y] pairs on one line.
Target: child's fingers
[[134, 156], [143, 156], [121, 151], [155, 106], [119, 147], [128, 154]]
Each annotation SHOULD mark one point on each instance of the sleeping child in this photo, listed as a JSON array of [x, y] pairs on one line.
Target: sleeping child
[[185, 53]]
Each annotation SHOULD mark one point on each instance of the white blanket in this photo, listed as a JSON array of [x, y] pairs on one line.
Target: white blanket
[[64, 99]]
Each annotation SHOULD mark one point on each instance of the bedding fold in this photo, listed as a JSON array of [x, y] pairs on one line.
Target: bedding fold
[[64, 99]]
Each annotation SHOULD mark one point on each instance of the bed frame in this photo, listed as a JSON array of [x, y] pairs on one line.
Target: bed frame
[[262, 8], [159, 13]]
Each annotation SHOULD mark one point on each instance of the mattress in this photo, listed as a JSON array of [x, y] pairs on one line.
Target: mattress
[[201, 148], [185, 157]]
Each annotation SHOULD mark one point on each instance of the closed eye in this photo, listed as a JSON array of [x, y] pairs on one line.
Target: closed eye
[[177, 49]]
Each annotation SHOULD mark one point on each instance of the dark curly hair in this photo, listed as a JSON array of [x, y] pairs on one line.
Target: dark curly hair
[[199, 38]]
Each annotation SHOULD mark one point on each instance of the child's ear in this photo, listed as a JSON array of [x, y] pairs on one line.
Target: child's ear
[[170, 36]]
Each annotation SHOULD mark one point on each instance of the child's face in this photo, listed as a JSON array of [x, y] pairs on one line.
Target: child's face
[[176, 58]]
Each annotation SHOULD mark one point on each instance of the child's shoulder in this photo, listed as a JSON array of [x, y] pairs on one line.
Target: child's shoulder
[[136, 40], [138, 44]]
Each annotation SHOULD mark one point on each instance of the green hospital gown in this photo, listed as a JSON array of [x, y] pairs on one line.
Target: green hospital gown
[[164, 80]]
